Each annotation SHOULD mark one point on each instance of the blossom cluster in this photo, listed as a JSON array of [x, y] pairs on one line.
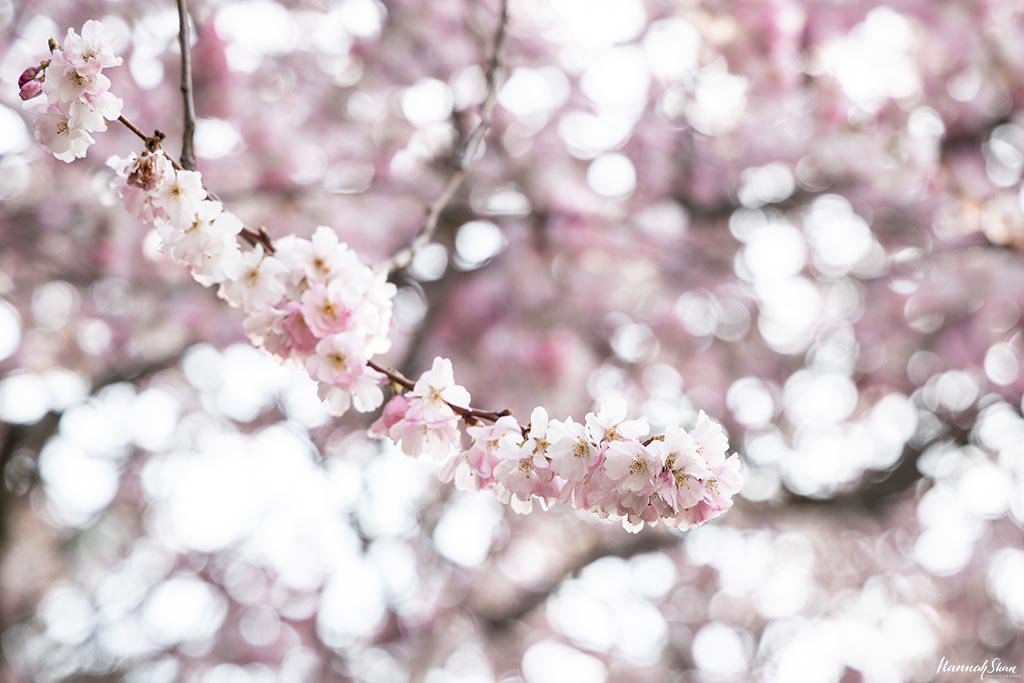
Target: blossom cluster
[[313, 302], [76, 94], [604, 465]]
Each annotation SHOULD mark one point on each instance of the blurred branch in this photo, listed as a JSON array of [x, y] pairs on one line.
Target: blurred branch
[[526, 602], [17, 434], [188, 154], [952, 143], [33, 437], [17, 12], [878, 490], [464, 157]]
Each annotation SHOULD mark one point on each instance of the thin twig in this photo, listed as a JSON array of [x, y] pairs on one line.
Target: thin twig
[[188, 154], [470, 414], [133, 128], [464, 157]]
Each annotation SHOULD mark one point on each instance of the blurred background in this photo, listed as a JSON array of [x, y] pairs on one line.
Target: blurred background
[[804, 217]]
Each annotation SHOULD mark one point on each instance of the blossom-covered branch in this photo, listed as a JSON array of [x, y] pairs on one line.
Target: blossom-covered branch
[[465, 155], [253, 237], [314, 303]]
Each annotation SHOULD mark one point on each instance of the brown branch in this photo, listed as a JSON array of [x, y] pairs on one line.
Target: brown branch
[[468, 413], [464, 157], [878, 490], [188, 154], [133, 128]]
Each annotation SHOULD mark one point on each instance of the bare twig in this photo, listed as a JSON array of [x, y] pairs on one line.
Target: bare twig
[[465, 155], [188, 154]]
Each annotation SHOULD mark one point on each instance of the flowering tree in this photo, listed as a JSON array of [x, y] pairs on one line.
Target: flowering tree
[[801, 218]]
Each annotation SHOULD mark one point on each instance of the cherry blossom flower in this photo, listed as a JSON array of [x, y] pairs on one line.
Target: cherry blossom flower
[[338, 360], [64, 83], [610, 424], [707, 440], [419, 433], [523, 474], [328, 308], [682, 483], [571, 452], [208, 245], [325, 257], [724, 483], [429, 425], [536, 439], [473, 469], [340, 364], [147, 171], [92, 113], [632, 466], [259, 284], [436, 391], [179, 195], [394, 412], [137, 178], [53, 130], [91, 51]]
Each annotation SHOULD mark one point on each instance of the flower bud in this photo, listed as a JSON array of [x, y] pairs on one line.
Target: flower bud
[[30, 82]]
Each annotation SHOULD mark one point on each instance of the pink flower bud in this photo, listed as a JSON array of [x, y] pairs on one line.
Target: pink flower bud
[[27, 75], [30, 89], [30, 82], [394, 412]]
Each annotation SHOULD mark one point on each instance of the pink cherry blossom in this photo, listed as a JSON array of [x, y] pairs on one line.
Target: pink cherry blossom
[[91, 51], [339, 363], [53, 130], [632, 466], [436, 391], [259, 284], [571, 452], [64, 83], [328, 308], [93, 112], [179, 196], [610, 423]]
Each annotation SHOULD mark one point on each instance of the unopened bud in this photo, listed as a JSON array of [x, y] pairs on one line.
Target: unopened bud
[[30, 90], [30, 82]]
